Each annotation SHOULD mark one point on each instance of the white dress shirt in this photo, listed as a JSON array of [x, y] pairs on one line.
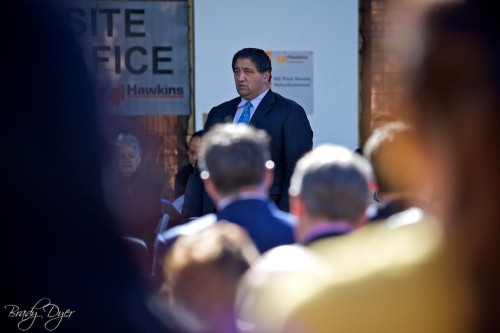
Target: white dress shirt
[[255, 104]]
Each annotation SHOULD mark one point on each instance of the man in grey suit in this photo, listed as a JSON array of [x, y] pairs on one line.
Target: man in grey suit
[[283, 119]]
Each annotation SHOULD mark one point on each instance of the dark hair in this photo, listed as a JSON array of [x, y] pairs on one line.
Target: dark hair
[[257, 56], [234, 156], [473, 23], [197, 134]]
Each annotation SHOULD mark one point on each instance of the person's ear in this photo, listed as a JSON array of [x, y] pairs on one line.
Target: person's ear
[[269, 174], [361, 221], [266, 76], [297, 206]]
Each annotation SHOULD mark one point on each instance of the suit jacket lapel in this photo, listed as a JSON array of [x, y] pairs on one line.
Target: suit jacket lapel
[[264, 107], [231, 111], [234, 107], [224, 114]]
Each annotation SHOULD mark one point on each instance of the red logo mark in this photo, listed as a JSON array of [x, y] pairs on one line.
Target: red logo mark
[[116, 95]]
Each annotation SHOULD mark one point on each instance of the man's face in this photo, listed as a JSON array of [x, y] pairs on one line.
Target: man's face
[[194, 145], [249, 82]]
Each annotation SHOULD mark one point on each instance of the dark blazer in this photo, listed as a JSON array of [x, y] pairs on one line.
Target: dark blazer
[[266, 225], [291, 137], [136, 204], [181, 179]]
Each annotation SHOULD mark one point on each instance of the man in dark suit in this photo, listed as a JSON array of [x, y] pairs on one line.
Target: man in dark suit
[[283, 119], [182, 176], [237, 173]]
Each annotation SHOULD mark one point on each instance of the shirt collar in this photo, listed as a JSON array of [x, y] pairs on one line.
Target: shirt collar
[[255, 102], [327, 227]]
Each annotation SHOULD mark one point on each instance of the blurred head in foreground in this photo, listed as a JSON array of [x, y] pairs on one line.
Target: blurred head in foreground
[[61, 244], [329, 185], [400, 167], [201, 274], [457, 90], [235, 158]]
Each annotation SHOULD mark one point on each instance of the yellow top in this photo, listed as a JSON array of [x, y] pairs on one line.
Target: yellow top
[[394, 276]]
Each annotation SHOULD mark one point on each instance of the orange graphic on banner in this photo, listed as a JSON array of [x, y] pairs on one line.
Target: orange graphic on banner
[[269, 54]]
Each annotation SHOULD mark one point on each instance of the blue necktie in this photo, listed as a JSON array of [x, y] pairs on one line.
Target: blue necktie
[[245, 116]]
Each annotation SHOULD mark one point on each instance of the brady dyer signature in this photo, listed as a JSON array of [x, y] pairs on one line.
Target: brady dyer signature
[[49, 314]]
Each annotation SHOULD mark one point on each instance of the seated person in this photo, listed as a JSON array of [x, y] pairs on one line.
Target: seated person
[[182, 176], [202, 272], [134, 199]]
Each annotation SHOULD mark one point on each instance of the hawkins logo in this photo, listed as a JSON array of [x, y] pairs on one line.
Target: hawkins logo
[[117, 94]]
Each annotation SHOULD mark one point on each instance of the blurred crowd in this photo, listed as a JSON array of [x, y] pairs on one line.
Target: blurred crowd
[[399, 236]]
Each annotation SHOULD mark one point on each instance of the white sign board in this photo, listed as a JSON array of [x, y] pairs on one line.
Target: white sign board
[[139, 52], [292, 76]]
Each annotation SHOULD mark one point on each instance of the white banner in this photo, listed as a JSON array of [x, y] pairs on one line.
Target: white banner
[[293, 76]]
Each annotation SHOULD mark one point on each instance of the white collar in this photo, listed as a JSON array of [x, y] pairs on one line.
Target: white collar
[[256, 101]]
